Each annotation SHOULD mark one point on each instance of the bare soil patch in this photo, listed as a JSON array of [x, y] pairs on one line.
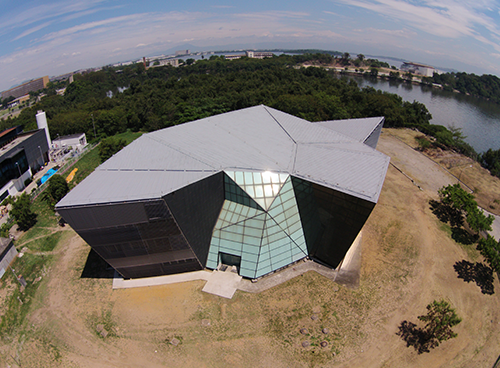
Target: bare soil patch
[[407, 261]]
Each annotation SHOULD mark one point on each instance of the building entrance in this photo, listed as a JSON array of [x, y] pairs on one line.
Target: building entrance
[[230, 260]]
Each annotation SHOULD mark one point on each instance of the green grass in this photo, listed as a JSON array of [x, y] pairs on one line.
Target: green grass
[[45, 219], [46, 243], [129, 136], [89, 162], [86, 165], [19, 303], [41, 239]]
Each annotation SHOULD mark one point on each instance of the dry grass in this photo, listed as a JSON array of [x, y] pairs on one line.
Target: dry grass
[[485, 186]]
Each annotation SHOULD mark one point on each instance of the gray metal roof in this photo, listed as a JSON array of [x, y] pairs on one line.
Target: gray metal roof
[[359, 129], [255, 139]]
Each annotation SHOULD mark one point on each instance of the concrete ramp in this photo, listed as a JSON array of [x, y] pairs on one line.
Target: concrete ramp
[[223, 284]]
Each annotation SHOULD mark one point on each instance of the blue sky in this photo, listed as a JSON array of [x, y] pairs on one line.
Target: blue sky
[[54, 37]]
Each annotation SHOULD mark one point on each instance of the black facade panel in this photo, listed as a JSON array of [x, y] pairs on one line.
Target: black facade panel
[[33, 153], [196, 208], [309, 212], [159, 269], [342, 216], [154, 242], [104, 215]]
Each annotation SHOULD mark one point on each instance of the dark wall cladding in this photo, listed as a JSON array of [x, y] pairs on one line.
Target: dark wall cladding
[[196, 208], [105, 215], [134, 234], [342, 217], [160, 269], [308, 210], [38, 139]]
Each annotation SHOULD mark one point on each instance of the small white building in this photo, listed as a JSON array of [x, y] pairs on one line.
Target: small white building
[[421, 69], [76, 141]]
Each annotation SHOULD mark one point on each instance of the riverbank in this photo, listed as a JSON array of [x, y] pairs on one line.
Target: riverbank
[[469, 173]]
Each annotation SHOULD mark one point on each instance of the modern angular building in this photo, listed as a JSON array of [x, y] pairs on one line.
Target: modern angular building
[[256, 188]]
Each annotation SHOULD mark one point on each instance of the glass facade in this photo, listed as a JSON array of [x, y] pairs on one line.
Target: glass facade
[[259, 223]]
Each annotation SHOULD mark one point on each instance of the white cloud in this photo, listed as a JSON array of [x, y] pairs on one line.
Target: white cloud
[[447, 18], [32, 30], [33, 14]]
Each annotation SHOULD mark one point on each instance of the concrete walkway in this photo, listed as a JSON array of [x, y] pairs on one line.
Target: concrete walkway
[[225, 284]]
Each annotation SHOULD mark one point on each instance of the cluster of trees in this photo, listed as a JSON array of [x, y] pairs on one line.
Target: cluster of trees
[[456, 206], [164, 96], [491, 161], [5, 102], [109, 146], [485, 86]]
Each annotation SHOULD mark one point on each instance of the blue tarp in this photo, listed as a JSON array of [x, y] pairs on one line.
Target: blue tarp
[[47, 175]]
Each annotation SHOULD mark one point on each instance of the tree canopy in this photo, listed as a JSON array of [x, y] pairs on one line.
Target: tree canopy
[[56, 190], [163, 96], [464, 206], [109, 146], [21, 212]]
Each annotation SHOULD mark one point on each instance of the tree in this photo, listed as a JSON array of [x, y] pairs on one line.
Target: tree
[[110, 146], [190, 61], [465, 205], [361, 57], [21, 212], [490, 249], [57, 189], [440, 318]]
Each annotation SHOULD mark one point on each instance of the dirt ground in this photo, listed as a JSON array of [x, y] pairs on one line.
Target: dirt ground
[[407, 262]]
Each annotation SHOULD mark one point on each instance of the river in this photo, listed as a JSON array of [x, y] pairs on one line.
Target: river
[[479, 119]]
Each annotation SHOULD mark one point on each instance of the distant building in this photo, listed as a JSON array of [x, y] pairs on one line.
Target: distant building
[[18, 101], [173, 62], [7, 254], [421, 69], [250, 54], [26, 88], [182, 52]]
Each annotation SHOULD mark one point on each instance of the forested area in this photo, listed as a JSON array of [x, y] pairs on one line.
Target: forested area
[[485, 86], [115, 100]]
